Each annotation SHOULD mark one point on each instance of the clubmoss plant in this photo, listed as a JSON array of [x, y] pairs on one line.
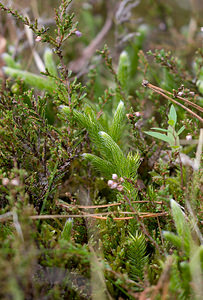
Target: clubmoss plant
[[112, 160]]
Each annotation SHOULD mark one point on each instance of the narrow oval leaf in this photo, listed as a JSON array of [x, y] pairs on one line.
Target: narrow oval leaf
[[159, 136], [180, 130], [160, 129], [172, 114]]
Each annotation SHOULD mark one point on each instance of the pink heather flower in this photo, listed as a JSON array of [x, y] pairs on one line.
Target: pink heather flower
[[110, 182], [138, 114], [38, 39], [121, 179], [5, 181], [15, 182], [189, 137], [120, 188], [78, 33], [114, 176], [114, 185]]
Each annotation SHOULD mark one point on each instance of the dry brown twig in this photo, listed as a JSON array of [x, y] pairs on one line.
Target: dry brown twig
[[8, 216], [83, 60], [103, 205], [164, 93]]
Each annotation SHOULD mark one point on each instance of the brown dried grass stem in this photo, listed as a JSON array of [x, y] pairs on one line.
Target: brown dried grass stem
[[162, 92], [97, 215], [103, 205], [177, 96]]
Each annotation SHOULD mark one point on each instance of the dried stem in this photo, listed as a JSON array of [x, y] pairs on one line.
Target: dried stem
[[87, 53], [177, 96], [103, 205], [162, 92]]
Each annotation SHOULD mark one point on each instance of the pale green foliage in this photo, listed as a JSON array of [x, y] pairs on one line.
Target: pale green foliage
[[41, 83], [124, 70], [133, 162], [171, 136], [88, 121], [200, 81], [37, 81], [66, 233], [172, 116], [200, 85], [136, 254], [184, 238], [49, 62], [10, 62], [180, 280], [111, 150], [117, 124], [182, 226], [173, 238], [196, 269], [93, 125], [112, 158], [188, 272], [101, 165]]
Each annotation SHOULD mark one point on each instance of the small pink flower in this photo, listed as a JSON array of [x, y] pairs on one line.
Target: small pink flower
[[114, 176], [5, 181], [120, 188], [189, 137], [121, 179], [78, 33], [110, 182], [114, 185], [38, 39], [15, 182], [138, 114]]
